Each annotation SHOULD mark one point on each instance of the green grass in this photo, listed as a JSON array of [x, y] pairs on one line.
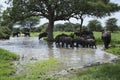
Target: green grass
[[34, 34], [102, 72], [40, 70], [6, 68]]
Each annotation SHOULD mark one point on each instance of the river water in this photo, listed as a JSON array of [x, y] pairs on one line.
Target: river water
[[32, 49]]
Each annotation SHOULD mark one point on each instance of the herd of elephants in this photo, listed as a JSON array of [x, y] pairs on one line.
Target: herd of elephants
[[82, 39]]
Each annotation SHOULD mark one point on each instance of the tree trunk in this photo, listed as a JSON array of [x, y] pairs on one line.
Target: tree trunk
[[50, 30], [81, 24]]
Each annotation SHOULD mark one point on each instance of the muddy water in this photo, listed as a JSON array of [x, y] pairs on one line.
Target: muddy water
[[31, 49]]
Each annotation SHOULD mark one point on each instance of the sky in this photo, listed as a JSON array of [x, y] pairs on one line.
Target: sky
[[86, 19]]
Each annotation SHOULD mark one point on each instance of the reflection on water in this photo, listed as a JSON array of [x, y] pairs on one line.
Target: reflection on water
[[31, 48]]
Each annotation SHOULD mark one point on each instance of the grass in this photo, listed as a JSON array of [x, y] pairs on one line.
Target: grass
[[34, 34], [6, 68], [102, 72], [40, 70]]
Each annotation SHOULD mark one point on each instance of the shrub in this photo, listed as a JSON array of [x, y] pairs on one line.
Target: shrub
[[4, 32]]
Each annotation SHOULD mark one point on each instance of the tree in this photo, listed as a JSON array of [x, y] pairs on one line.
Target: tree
[[97, 8], [7, 21], [0, 13], [111, 24], [55, 10], [94, 25], [30, 22]]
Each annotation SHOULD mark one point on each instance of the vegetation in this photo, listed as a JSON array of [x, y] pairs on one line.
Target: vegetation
[[4, 32], [7, 68], [37, 70], [40, 70], [111, 24], [102, 72], [94, 25]]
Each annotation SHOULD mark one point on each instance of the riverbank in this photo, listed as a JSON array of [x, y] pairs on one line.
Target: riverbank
[[51, 70], [7, 67]]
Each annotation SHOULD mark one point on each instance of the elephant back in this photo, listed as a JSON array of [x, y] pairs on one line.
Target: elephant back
[[106, 34]]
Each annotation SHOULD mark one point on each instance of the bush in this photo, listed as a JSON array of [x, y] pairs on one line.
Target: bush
[[4, 32]]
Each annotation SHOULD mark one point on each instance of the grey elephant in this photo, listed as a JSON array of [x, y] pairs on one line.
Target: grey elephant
[[59, 39], [79, 41], [90, 43], [106, 38], [66, 41]]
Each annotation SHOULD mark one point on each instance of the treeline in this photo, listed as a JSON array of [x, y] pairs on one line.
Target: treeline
[[93, 25]]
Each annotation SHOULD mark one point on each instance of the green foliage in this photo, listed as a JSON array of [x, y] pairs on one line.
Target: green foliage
[[111, 24], [7, 56], [94, 25], [68, 27], [102, 72], [4, 32], [114, 50]]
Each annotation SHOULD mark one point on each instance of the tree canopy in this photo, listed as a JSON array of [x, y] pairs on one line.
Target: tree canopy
[[94, 25], [97, 8], [111, 24]]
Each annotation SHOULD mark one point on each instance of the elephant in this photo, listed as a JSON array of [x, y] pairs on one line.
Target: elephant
[[44, 34], [26, 34], [90, 43], [106, 38], [66, 41], [79, 41], [59, 39], [16, 34]]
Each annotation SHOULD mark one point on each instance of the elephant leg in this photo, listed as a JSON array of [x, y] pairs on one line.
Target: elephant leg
[[29, 35], [77, 44], [67, 45], [62, 44], [17, 35], [105, 45], [71, 44]]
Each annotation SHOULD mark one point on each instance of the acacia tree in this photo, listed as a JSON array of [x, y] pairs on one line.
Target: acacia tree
[[97, 8], [55, 10]]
